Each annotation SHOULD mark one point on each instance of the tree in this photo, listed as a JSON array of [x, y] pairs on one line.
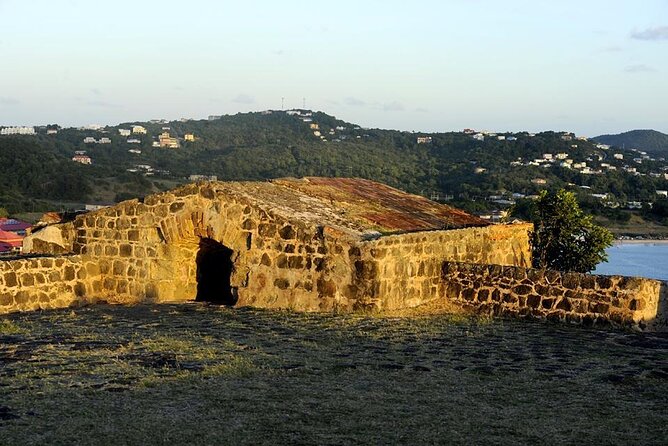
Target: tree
[[564, 238], [658, 211], [522, 209]]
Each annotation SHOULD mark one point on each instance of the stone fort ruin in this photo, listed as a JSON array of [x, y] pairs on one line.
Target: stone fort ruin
[[313, 244]]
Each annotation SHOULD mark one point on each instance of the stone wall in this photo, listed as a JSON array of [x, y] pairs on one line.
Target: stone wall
[[402, 271], [41, 283], [147, 251], [569, 297]]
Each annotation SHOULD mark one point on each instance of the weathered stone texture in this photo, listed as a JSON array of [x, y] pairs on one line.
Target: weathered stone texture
[[41, 283], [310, 246], [404, 270], [569, 297], [57, 239], [147, 251]]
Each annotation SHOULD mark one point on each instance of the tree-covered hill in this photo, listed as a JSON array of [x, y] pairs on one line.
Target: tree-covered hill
[[649, 141], [31, 169], [476, 171]]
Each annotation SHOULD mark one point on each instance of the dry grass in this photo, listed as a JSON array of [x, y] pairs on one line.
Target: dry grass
[[9, 327], [194, 374], [437, 307]]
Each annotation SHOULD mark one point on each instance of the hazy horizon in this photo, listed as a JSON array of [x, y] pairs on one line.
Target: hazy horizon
[[146, 120], [430, 66]]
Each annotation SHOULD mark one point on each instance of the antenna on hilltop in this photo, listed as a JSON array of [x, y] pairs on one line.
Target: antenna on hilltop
[[282, 103], [304, 103]]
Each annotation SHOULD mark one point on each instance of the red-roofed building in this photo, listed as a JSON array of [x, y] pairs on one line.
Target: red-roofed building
[[10, 242]]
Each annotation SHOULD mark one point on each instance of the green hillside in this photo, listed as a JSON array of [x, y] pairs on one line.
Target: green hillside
[[31, 168], [38, 174], [649, 141]]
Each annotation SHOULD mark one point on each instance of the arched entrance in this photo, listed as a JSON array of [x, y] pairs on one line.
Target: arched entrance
[[214, 270]]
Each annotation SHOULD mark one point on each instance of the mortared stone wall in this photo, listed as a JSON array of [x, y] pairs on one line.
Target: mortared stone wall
[[292, 250]]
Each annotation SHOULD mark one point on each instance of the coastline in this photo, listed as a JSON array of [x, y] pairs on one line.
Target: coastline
[[636, 258], [661, 241]]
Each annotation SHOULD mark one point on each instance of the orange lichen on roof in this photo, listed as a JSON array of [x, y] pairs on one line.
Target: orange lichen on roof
[[382, 207]]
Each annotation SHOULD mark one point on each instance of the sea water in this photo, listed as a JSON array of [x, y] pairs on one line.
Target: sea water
[[648, 259]]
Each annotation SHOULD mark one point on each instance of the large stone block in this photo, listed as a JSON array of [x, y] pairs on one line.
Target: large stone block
[[6, 298], [10, 279], [326, 288]]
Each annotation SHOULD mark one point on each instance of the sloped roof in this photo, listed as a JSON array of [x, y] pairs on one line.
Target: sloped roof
[[11, 238], [382, 206], [356, 205]]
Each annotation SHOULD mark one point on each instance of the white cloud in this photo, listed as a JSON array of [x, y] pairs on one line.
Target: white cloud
[[639, 68], [657, 33], [354, 102]]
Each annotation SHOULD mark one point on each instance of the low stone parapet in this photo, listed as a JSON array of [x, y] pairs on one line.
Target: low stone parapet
[[404, 270], [570, 297], [47, 282]]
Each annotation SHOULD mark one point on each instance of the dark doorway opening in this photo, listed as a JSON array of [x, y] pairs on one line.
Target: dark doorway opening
[[214, 270]]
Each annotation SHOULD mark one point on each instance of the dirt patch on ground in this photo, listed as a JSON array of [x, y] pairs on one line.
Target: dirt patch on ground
[[437, 307], [198, 374]]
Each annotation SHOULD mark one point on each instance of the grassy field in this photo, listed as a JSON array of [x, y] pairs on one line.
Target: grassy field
[[194, 374]]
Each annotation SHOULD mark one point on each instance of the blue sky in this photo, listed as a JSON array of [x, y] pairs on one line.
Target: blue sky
[[589, 66]]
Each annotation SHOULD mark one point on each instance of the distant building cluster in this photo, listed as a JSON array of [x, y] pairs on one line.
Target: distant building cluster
[[196, 178], [17, 131], [166, 141], [593, 163], [319, 130], [305, 115], [81, 157], [147, 170], [91, 140]]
